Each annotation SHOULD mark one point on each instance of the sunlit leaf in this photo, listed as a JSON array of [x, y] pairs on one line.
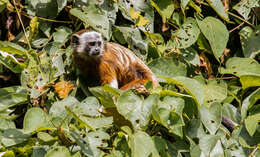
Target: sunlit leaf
[[218, 6], [216, 33]]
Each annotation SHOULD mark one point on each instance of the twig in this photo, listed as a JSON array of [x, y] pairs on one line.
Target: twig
[[236, 27], [226, 78], [20, 19], [234, 15], [48, 20], [253, 152]]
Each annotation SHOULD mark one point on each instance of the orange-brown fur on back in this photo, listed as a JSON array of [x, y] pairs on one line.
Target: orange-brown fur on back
[[118, 66]]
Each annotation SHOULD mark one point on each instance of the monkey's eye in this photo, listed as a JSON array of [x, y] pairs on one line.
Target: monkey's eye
[[99, 43], [91, 43]]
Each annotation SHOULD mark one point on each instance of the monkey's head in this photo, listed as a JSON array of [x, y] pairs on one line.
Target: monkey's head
[[88, 44]]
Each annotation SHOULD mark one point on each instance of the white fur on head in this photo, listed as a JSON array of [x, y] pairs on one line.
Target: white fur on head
[[79, 42]]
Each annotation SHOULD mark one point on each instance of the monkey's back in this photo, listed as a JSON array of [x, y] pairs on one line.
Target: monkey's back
[[124, 64]]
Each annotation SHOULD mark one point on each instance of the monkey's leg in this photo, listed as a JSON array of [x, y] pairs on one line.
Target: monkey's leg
[[138, 86], [134, 84]]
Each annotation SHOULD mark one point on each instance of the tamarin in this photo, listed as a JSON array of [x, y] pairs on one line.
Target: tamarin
[[108, 62]]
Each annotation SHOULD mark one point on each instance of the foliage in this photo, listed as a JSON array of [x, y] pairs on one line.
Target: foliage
[[204, 52]]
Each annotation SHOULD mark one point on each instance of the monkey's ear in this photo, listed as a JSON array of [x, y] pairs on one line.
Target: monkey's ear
[[75, 39]]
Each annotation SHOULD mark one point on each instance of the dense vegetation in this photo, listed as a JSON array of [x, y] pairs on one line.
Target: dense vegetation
[[204, 52]]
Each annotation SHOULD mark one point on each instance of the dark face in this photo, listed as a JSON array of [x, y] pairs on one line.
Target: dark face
[[88, 44], [93, 48]]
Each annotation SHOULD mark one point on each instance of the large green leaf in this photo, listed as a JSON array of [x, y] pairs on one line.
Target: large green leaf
[[218, 6], [215, 91], [35, 118], [58, 151], [9, 61], [192, 87], [249, 102], [95, 19], [249, 41], [164, 8], [169, 113], [207, 143], [167, 67], [141, 144], [246, 68], [6, 124], [251, 123], [216, 33], [58, 108], [132, 36], [12, 48], [143, 6], [211, 117], [244, 7], [12, 137], [185, 36], [43, 8], [12, 96], [134, 108]]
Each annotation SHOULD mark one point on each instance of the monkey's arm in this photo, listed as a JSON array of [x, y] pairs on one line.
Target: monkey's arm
[[108, 75]]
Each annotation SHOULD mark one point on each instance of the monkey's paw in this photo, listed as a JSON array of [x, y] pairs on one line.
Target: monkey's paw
[[142, 90]]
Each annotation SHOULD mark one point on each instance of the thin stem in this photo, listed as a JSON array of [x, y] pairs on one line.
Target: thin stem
[[236, 16], [20, 19]]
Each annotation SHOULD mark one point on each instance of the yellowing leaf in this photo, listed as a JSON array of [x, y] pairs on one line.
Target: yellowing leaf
[[134, 14], [63, 88], [141, 21]]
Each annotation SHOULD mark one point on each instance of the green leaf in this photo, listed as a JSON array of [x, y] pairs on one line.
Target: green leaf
[[39, 151], [216, 33], [241, 66], [164, 8], [6, 124], [244, 7], [184, 3], [134, 108], [143, 6], [249, 102], [46, 137], [216, 91], [249, 40], [105, 97], [97, 20], [97, 123], [195, 129], [89, 106], [61, 4], [207, 143], [10, 99], [12, 48], [141, 144], [185, 36], [191, 86], [218, 6], [249, 81], [34, 119], [231, 112], [9, 61], [169, 113], [133, 38], [167, 67], [46, 8], [12, 137], [58, 151], [251, 123], [58, 108], [58, 65], [61, 35], [211, 117], [90, 144]]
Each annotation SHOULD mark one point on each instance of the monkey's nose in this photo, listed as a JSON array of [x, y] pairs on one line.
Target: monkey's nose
[[96, 52]]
